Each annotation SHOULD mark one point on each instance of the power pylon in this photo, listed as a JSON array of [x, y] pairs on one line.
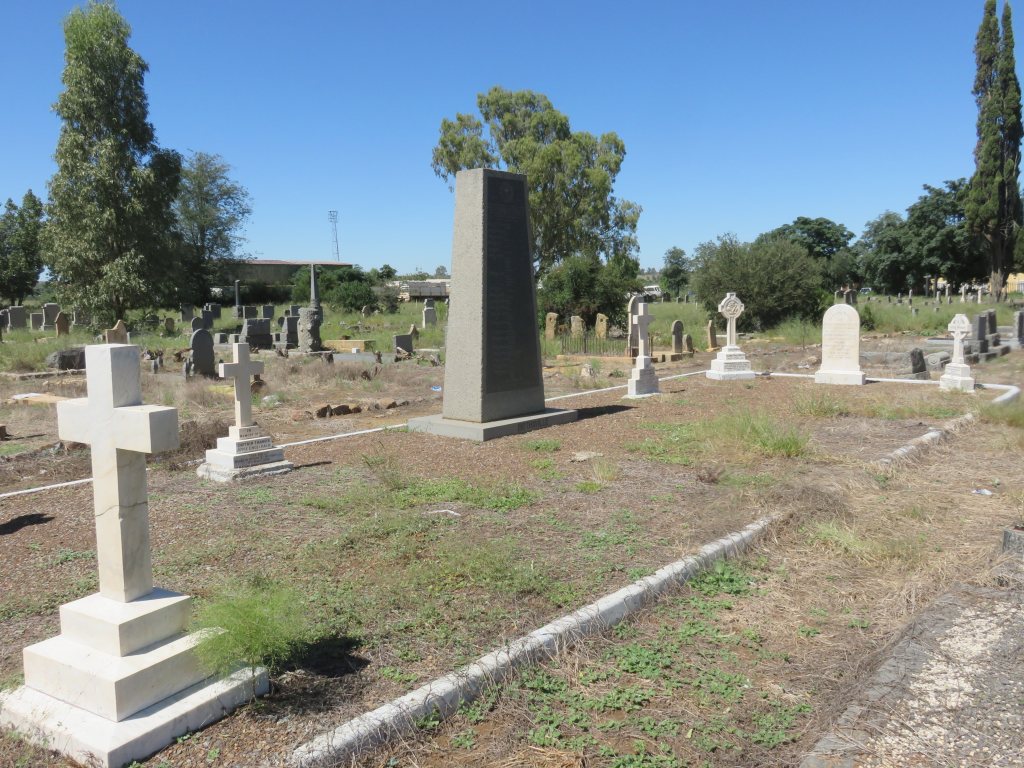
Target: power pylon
[[332, 216]]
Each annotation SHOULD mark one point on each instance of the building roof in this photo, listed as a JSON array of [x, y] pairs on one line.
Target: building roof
[[296, 262]]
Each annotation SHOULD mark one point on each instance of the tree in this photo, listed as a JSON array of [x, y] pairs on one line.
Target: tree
[[571, 174], [676, 273], [584, 286], [21, 258], [441, 272], [348, 288], [826, 241], [993, 204], [883, 253], [774, 277], [210, 212], [109, 241], [936, 239]]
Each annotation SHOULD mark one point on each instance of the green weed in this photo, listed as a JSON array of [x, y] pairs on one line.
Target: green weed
[[723, 577], [543, 446], [820, 405]]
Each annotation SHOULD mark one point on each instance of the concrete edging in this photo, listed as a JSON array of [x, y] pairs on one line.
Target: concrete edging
[[922, 444]]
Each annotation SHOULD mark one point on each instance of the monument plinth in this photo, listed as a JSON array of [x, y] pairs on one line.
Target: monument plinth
[[957, 376], [731, 363], [840, 347], [493, 384]]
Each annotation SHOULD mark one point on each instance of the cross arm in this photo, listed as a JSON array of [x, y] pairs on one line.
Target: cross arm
[[146, 428], [73, 421]]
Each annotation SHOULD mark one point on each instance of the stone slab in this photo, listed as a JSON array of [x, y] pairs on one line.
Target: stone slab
[[117, 628], [730, 364], [93, 740], [850, 378], [227, 475], [483, 431], [250, 445], [227, 460]]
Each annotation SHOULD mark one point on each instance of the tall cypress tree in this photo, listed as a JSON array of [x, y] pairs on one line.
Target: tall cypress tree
[[108, 242], [993, 204]]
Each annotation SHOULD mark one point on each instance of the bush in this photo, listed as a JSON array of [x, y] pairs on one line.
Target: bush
[[775, 279], [585, 286], [347, 288]]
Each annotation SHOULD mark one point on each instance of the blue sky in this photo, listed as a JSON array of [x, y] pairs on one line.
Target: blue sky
[[737, 116]]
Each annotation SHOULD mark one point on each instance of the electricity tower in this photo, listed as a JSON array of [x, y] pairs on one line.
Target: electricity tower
[[332, 216]]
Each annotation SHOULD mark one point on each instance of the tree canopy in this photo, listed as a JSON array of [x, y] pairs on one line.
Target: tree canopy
[[109, 241], [675, 274], [826, 241], [21, 258], [581, 285]]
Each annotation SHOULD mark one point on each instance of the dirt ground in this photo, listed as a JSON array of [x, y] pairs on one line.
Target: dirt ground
[[415, 554]]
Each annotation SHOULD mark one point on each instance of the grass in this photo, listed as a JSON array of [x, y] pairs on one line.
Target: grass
[[820, 405]]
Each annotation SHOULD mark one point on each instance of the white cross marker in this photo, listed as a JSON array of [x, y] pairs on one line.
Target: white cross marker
[[241, 370], [120, 431], [643, 322], [731, 307], [960, 328]]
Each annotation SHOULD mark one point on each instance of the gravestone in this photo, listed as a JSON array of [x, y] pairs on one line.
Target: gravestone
[[80, 317], [170, 326], [414, 331], [633, 343], [643, 380], [125, 649], [1018, 326], [429, 316], [366, 311], [314, 294], [993, 327], [308, 331], [15, 318], [840, 347], [957, 375], [250, 312], [980, 327], [601, 326], [256, 333], [213, 308], [493, 384], [118, 334], [910, 296], [687, 343], [550, 325], [207, 318], [267, 311], [201, 343], [712, 337], [403, 344], [237, 311], [850, 296], [963, 293], [37, 320], [577, 326], [62, 324], [187, 313], [979, 296], [731, 363], [677, 337], [196, 323], [247, 450], [288, 338], [50, 311]]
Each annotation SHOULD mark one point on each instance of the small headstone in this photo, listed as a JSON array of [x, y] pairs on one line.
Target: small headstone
[[918, 365], [366, 311], [633, 343], [980, 327], [840, 347], [187, 313], [207, 318], [15, 318], [992, 325], [170, 327], [118, 334], [197, 323], [1018, 326], [677, 337], [238, 300], [957, 375], [550, 325], [601, 326], [643, 380], [429, 316], [267, 312], [62, 324], [256, 333], [576, 325], [67, 359], [687, 343], [403, 344], [250, 312], [309, 331], [213, 308], [37, 320], [50, 311], [203, 362], [712, 336]]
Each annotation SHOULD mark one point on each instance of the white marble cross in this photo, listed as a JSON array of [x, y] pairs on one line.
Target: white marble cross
[[731, 308], [120, 431], [241, 370], [642, 318], [979, 295], [960, 327]]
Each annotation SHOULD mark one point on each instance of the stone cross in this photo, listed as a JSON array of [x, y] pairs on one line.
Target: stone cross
[[642, 320], [960, 328], [120, 431], [979, 295], [241, 370], [730, 307]]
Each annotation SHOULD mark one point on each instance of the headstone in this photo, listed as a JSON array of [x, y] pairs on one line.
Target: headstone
[[957, 375], [687, 343], [910, 296], [429, 316], [601, 326], [50, 311], [403, 344], [238, 301], [712, 336], [37, 320], [993, 327], [677, 337], [293, 310], [918, 364], [980, 327], [207, 318], [309, 331], [247, 450], [1018, 326], [576, 325], [840, 347], [256, 333], [250, 312], [187, 313], [213, 308], [267, 311], [643, 380], [550, 325], [314, 294], [15, 318], [67, 359], [124, 649], [366, 311], [963, 293], [196, 323], [979, 295], [493, 383], [118, 334], [288, 338], [633, 348], [731, 363], [170, 327], [913, 311], [201, 343], [850, 296], [62, 324]]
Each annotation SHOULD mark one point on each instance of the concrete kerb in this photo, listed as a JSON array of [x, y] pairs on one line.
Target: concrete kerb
[[919, 445], [444, 696]]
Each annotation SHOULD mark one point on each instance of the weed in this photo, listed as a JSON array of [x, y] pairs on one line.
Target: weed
[[464, 739], [543, 446], [385, 466], [256, 495], [502, 498], [723, 576], [716, 683], [394, 673], [774, 728], [605, 471], [628, 699], [70, 555], [477, 711], [808, 632], [430, 721], [588, 486], [820, 405], [856, 623]]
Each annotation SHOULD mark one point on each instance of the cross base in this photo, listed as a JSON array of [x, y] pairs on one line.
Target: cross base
[[957, 377], [93, 740], [245, 452], [643, 380], [730, 364]]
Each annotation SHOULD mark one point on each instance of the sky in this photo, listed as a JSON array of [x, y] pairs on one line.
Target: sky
[[737, 116]]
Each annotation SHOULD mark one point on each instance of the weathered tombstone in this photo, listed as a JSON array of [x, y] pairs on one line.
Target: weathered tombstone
[[124, 649], [643, 380], [957, 375], [993, 326], [550, 325], [15, 318], [840, 347], [256, 333], [910, 297], [267, 312], [309, 331], [731, 363], [914, 311], [207, 318], [247, 450], [493, 383], [980, 326], [170, 327], [601, 326], [67, 359], [918, 363], [687, 343], [62, 324], [250, 312], [963, 293], [50, 311], [403, 344], [196, 323], [288, 338], [1018, 326], [213, 308], [238, 301], [201, 343], [979, 295], [576, 326], [712, 337], [118, 334], [850, 296], [37, 320], [366, 311], [677, 337], [187, 313], [429, 316]]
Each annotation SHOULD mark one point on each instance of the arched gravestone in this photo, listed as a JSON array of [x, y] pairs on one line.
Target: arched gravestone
[[840, 347], [550, 325], [601, 326], [492, 382], [202, 352], [677, 337]]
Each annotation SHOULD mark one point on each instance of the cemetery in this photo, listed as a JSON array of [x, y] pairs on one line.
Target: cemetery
[[765, 510]]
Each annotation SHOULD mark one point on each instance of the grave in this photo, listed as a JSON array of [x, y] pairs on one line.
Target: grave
[[309, 330], [237, 310], [121, 681], [576, 326], [247, 451], [201, 343], [256, 333], [1018, 327], [267, 312], [207, 317], [188, 313], [170, 327], [633, 344], [429, 313], [288, 338], [50, 311], [213, 308], [37, 320], [957, 375], [712, 337], [196, 323], [550, 325], [601, 326], [643, 381], [15, 318], [731, 363], [314, 295], [688, 344], [493, 384], [677, 341], [62, 324], [840, 347], [118, 334], [403, 344], [250, 312]]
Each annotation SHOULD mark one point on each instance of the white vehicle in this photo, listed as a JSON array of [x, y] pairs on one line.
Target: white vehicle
[[653, 290]]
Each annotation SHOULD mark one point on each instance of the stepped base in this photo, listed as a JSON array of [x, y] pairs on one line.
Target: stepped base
[[643, 381], [221, 474], [489, 430], [957, 378], [731, 364], [94, 740], [853, 378]]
